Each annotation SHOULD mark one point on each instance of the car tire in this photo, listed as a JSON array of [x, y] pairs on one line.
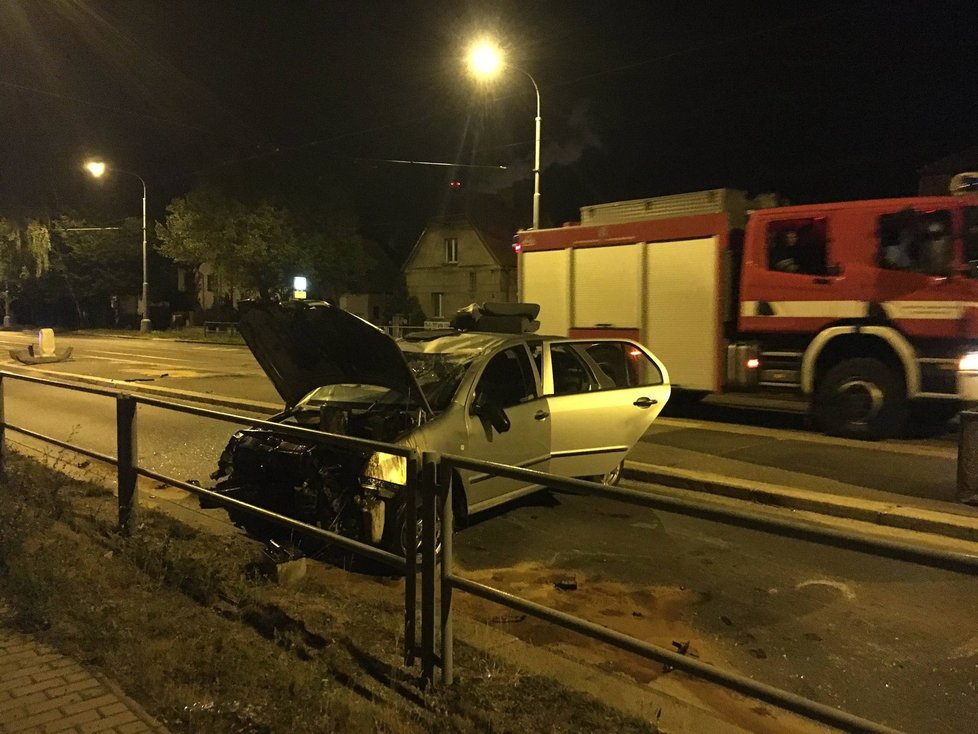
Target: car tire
[[610, 478], [395, 534], [861, 398]]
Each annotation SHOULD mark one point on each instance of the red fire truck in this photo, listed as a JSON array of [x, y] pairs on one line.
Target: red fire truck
[[860, 308]]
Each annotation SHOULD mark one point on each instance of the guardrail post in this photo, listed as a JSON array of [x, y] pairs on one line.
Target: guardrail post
[[429, 490], [447, 568], [3, 431], [411, 559], [126, 453], [968, 457]]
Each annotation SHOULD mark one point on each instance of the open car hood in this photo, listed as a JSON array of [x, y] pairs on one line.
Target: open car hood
[[303, 345]]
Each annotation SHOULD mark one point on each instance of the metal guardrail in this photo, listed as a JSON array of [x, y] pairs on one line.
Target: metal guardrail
[[429, 480], [128, 471]]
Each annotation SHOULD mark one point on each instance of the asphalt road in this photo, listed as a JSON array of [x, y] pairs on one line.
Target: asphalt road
[[890, 641]]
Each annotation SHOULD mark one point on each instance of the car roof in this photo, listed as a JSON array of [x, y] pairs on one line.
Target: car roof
[[446, 341]]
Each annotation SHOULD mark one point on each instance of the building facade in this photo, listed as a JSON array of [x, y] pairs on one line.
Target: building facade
[[464, 255]]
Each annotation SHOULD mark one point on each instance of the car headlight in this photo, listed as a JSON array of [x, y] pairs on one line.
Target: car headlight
[[969, 362], [386, 468]]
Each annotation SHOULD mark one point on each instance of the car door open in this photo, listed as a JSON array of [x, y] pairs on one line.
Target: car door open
[[602, 396]]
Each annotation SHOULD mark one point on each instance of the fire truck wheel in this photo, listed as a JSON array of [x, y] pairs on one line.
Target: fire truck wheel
[[861, 398]]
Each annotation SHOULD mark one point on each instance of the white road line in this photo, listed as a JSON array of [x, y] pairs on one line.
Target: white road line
[[137, 354]]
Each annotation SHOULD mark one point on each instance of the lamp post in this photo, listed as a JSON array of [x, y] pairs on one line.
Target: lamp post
[[97, 169], [485, 61]]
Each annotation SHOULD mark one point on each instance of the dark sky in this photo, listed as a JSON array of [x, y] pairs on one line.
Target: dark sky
[[817, 101]]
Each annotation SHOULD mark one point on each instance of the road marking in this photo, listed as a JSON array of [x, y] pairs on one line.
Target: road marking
[[842, 588], [780, 434], [137, 354]]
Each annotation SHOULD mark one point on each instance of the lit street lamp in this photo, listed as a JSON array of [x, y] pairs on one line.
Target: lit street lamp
[[486, 59], [97, 169]]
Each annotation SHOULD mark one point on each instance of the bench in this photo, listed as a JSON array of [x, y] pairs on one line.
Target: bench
[[220, 327]]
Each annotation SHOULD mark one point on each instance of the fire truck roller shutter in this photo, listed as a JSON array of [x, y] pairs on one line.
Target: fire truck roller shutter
[[607, 287], [683, 310], [546, 278]]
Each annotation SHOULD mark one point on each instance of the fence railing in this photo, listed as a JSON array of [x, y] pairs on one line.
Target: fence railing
[[429, 480], [128, 472]]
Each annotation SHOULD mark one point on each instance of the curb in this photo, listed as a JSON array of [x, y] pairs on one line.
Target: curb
[[903, 517]]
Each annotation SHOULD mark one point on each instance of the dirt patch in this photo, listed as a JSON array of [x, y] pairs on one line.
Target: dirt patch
[[171, 613], [653, 614]]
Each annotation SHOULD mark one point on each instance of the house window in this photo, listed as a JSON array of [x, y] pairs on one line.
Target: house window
[[451, 251], [437, 304], [473, 282]]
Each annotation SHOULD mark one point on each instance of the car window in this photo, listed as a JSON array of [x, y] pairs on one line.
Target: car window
[[624, 364], [508, 379], [571, 374]]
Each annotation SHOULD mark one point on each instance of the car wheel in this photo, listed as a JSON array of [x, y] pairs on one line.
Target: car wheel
[[611, 478], [861, 398], [396, 534]]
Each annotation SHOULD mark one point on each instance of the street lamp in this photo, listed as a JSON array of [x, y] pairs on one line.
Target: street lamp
[[486, 60], [97, 169]]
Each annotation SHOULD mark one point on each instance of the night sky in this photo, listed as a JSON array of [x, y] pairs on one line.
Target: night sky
[[817, 101]]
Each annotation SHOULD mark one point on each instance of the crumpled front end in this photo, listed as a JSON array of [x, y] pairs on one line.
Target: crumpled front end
[[350, 493]]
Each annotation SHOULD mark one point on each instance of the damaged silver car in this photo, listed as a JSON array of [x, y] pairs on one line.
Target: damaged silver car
[[487, 389]]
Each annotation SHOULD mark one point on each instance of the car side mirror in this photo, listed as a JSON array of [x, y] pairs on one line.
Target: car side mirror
[[492, 412]]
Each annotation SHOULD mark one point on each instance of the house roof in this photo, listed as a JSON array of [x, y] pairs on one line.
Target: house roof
[[963, 160], [493, 221]]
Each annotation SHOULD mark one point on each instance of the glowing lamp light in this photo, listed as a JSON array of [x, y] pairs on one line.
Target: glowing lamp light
[[95, 168], [753, 363], [485, 59], [517, 247], [456, 184]]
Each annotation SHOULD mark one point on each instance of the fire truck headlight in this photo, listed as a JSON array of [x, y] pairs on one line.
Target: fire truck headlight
[[969, 362]]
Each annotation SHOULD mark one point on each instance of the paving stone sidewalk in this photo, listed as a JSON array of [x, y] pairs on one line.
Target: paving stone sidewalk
[[41, 690]]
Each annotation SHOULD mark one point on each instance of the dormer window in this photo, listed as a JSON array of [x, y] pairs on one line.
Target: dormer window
[[451, 251]]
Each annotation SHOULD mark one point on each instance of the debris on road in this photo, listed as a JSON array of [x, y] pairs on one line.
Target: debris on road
[[567, 583], [682, 648], [507, 619]]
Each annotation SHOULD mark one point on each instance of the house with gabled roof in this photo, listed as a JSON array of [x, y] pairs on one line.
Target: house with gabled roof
[[934, 178], [464, 255]]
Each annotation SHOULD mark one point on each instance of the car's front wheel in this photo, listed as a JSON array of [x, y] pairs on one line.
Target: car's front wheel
[[396, 533]]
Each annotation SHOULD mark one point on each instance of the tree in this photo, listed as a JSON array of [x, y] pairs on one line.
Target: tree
[[255, 248], [334, 254], [195, 230], [79, 256], [24, 253]]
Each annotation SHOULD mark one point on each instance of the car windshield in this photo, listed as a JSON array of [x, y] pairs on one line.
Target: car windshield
[[438, 374], [347, 394]]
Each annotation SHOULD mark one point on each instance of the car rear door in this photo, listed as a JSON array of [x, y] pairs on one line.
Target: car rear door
[[602, 396]]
